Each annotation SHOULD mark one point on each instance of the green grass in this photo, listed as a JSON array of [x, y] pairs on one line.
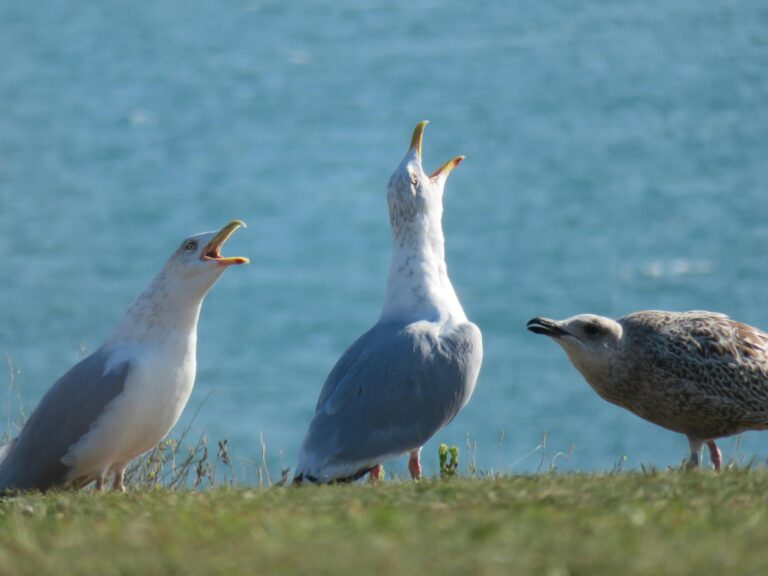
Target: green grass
[[669, 523]]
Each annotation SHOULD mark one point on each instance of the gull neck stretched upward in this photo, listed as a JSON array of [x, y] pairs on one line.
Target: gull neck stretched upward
[[164, 308], [418, 286]]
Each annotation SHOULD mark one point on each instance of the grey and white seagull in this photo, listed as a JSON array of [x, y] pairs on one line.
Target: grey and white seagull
[[698, 373], [122, 399], [409, 375]]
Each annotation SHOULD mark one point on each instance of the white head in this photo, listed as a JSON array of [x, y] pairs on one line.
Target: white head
[[173, 299], [590, 341], [414, 198], [197, 264]]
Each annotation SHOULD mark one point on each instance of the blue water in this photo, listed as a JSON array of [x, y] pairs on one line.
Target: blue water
[[617, 160]]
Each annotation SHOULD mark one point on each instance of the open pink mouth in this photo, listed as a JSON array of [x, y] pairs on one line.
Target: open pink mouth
[[212, 251]]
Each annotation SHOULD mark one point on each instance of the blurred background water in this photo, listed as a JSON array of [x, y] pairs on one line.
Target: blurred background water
[[617, 160]]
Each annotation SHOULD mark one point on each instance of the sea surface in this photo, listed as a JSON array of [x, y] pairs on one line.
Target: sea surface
[[617, 160]]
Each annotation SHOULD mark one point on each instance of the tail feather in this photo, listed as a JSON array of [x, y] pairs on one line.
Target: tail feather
[[300, 478]]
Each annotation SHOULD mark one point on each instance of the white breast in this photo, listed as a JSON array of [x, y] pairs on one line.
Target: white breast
[[156, 391]]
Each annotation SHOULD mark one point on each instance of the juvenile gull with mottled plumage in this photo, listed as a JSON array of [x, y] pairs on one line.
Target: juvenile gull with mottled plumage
[[697, 373], [123, 399], [410, 374]]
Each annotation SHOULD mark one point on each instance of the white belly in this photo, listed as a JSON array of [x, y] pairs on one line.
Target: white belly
[[154, 396]]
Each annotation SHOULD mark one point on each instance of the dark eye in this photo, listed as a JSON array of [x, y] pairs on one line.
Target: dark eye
[[414, 179], [191, 245], [591, 330]]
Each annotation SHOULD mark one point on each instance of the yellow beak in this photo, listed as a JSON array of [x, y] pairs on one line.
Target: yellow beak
[[446, 168], [417, 139], [418, 136], [212, 250]]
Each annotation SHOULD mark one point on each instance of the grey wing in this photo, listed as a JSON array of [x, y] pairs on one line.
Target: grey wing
[[63, 416], [393, 392], [350, 363]]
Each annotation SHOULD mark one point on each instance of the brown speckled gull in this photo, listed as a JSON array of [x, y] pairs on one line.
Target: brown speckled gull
[[698, 373]]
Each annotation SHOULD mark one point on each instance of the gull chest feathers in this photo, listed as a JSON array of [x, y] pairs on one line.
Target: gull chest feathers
[[124, 398], [160, 382]]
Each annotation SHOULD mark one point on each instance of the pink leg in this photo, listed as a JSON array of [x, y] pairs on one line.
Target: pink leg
[[695, 459], [375, 474], [715, 455], [414, 466], [119, 481]]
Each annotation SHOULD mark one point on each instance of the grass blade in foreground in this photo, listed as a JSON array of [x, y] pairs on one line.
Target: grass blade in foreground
[[670, 523]]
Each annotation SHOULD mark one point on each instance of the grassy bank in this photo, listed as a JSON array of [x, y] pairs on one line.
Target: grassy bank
[[672, 523]]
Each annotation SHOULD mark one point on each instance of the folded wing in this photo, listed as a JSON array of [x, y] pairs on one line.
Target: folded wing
[[390, 392], [64, 415]]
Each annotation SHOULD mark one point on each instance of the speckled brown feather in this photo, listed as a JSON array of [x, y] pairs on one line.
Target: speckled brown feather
[[699, 373]]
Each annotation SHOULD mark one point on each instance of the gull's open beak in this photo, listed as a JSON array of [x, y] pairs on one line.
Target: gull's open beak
[[418, 136], [212, 250], [446, 168], [416, 140], [547, 327]]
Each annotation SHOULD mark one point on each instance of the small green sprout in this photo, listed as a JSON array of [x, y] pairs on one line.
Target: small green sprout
[[449, 460]]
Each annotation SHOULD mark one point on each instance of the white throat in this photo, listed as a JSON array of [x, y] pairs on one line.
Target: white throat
[[418, 287], [164, 310]]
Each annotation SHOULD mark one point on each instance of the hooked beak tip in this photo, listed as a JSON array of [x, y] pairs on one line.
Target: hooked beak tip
[[546, 327], [447, 168]]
